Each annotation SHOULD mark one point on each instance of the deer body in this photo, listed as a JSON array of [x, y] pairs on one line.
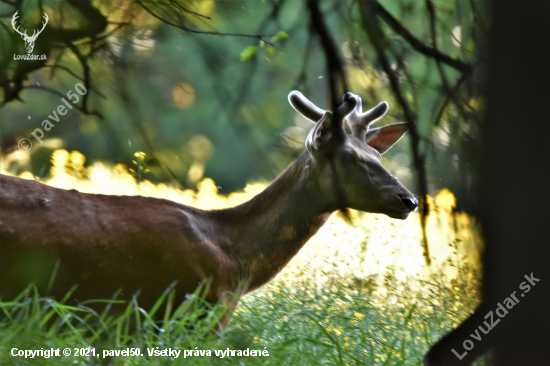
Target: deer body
[[132, 242], [143, 244]]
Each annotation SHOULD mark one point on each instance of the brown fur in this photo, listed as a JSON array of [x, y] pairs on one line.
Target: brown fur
[[105, 243], [140, 243]]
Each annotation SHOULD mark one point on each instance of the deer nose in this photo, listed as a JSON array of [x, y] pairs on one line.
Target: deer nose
[[411, 203]]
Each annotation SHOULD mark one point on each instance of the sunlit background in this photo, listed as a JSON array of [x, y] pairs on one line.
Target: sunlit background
[[370, 245], [203, 120]]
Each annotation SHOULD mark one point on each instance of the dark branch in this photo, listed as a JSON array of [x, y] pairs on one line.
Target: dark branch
[[377, 37], [106, 35], [335, 70], [53, 91], [259, 36], [301, 80], [189, 11], [450, 95], [95, 24], [415, 43], [336, 76], [75, 76]]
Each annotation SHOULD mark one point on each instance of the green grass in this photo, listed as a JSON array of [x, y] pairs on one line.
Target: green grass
[[344, 321], [33, 322], [349, 322]]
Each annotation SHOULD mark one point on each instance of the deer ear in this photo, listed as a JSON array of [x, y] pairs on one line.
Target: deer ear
[[320, 133], [382, 138]]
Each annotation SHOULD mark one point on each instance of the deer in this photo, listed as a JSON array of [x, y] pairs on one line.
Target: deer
[[142, 244], [29, 40]]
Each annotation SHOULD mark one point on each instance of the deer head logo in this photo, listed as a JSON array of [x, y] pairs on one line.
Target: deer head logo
[[29, 41]]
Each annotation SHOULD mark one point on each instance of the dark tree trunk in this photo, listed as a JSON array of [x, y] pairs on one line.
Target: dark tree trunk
[[513, 193]]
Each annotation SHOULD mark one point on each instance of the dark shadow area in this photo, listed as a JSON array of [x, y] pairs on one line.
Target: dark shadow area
[[513, 187]]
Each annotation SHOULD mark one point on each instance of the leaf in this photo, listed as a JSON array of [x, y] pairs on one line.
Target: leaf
[[271, 50], [281, 36], [248, 53]]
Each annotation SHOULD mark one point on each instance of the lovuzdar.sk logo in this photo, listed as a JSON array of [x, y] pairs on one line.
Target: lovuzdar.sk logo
[[29, 40]]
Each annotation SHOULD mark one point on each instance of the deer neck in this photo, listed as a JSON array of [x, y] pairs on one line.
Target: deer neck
[[265, 233]]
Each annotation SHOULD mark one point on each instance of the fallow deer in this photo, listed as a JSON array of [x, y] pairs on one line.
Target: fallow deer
[[104, 242]]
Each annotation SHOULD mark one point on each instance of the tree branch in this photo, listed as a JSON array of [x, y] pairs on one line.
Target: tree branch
[[336, 75], [53, 91], [189, 11], [415, 43], [301, 80], [259, 36], [335, 70], [75, 76], [377, 37]]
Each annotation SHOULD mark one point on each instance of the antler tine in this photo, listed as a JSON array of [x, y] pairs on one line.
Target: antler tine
[[304, 106], [359, 121], [374, 114], [350, 104], [13, 24], [353, 119]]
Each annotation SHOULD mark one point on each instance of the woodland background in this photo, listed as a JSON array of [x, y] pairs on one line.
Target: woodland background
[[201, 86], [182, 94]]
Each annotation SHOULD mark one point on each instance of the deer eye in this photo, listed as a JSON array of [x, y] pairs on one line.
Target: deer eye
[[352, 156]]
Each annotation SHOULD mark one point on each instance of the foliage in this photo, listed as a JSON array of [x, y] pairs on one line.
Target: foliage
[[356, 294], [346, 321], [158, 81], [248, 53], [387, 241], [30, 322], [354, 321], [200, 88]]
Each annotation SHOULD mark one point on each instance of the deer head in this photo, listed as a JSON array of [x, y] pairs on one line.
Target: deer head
[[356, 157], [29, 41]]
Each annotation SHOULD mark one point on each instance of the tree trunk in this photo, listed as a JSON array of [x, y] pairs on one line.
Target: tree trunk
[[513, 194]]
